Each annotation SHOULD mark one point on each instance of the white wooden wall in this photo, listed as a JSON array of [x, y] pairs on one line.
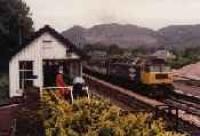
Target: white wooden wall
[[36, 52]]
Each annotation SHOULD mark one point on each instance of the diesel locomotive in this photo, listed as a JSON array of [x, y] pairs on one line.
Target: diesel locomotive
[[149, 75]]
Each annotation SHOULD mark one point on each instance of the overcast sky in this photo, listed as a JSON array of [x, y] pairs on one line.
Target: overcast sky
[[155, 14]]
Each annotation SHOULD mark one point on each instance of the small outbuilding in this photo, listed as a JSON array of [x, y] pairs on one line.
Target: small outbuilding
[[164, 54], [35, 64]]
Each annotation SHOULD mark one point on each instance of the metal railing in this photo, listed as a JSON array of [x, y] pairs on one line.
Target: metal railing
[[169, 110], [69, 88]]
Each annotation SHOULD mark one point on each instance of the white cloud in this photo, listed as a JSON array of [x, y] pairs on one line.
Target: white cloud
[[63, 14]]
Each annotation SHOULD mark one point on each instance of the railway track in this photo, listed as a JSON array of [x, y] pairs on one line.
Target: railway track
[[187, 89], [139, 102], [187, 106], [123, 101], [186, 103]]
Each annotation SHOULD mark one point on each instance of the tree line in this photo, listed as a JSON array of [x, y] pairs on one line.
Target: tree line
[[16, 25]]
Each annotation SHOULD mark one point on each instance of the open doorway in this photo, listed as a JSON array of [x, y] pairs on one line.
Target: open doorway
[[50, 70]]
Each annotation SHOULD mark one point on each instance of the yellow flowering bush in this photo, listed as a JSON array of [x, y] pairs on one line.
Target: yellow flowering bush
[[95, 117]]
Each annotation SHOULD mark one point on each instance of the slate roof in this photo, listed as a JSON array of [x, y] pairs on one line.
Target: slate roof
[[55, 34]]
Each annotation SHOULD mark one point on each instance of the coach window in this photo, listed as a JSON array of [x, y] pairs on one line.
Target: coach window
[[25, 74]]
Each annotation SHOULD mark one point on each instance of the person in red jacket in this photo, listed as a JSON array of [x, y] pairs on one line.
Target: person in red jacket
[[60, 83]]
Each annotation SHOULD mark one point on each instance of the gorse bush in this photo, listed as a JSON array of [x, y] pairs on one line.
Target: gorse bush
[[94, 117]]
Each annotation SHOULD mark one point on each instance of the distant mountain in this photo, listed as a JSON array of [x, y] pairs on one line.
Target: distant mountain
[[76, 34], [122, 35], [125, 36], [181, 36]]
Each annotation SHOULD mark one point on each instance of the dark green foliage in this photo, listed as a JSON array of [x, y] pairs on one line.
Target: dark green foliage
[[106, 132], [15, 26], [139, 51], [112, 49], [185, 57], [3, 88], [115, 50]]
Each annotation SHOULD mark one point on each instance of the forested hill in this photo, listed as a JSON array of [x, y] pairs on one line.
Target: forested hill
[[176, 36]]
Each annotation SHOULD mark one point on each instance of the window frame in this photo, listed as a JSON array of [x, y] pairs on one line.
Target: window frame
[[25, 69]]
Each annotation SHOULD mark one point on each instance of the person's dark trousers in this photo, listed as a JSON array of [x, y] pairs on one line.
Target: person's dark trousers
[[78, 91]]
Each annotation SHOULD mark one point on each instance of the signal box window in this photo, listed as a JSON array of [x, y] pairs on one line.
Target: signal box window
[[25, 74]]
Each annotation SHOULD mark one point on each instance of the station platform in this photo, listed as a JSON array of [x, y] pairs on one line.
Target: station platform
[[187, 90]]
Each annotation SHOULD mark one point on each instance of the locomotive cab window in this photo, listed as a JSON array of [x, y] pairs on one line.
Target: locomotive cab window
[[157, 68], [165, 68], [152, 68], [25, 74], [147, 68]]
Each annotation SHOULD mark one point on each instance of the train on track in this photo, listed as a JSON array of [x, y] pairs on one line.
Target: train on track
[[149, 75]]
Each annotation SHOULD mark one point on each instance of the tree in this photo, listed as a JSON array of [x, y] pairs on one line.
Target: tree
[[16, 25], [139, 51], [184, 57], [114, 50]]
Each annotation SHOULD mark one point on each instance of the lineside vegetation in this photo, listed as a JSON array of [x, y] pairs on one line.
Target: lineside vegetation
[[97, 117]]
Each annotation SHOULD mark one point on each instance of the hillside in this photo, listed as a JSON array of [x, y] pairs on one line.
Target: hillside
[[122, 35], [76, 34], [179, 36]]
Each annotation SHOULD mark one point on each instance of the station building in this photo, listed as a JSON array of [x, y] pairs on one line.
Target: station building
[[36, 62]]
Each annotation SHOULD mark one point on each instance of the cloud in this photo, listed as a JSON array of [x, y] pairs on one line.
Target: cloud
[[63, 14]]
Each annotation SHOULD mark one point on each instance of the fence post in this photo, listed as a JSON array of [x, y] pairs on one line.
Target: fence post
[[41, 93], [72, 97], [177, 117]]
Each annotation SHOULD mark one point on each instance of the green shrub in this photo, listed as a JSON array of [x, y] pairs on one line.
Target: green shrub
[[94, 117]]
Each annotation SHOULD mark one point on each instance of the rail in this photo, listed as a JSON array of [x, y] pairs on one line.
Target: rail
[[187, 78], [175, 111]]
